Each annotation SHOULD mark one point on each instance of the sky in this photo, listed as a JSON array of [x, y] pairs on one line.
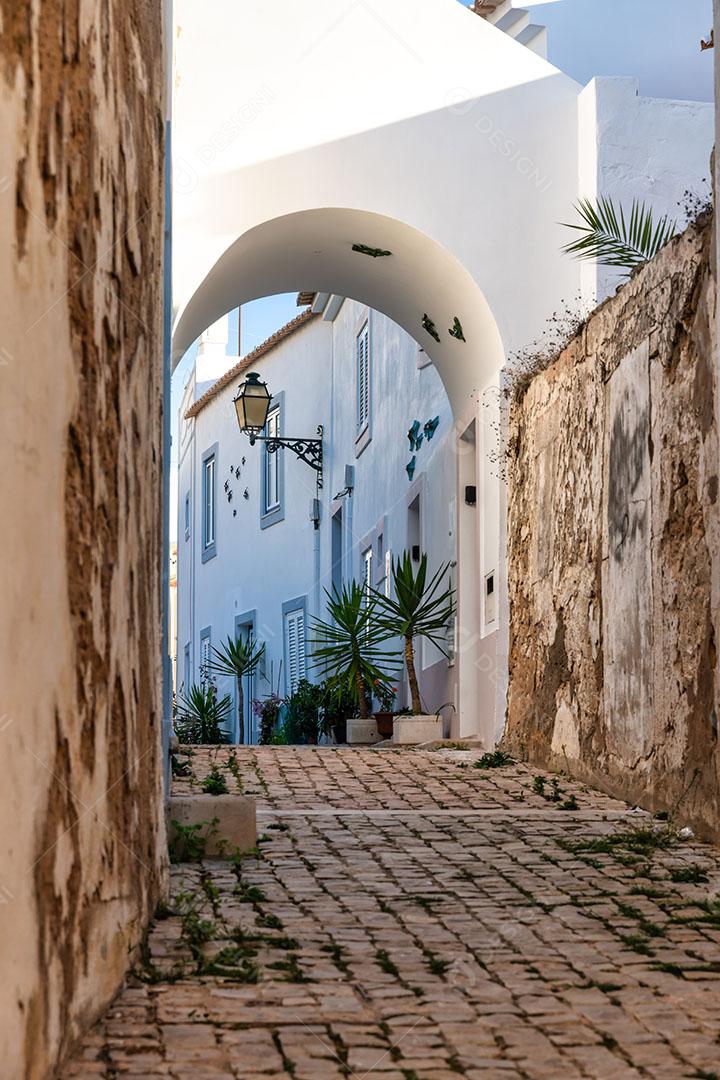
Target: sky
[[656, 40]]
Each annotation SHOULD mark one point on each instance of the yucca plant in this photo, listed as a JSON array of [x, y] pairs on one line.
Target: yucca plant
[[349, 648], [420, 608], [200, 716], [237, 658], [612, 238]]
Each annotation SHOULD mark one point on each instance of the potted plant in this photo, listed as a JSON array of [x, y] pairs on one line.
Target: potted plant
[[267, 711], [338, 706], [237, 659], [200, 716], [302, 713], [349, 648], [385, 695], [419, 608]]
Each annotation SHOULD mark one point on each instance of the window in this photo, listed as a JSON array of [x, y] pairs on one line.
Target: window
[[209, 503], [187, 516], [294, 647], [363, 379], [272, 464], [272, 468], [367, 573], [205, 639]]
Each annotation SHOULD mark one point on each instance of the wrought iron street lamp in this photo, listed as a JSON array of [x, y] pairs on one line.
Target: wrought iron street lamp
[[252, 406]]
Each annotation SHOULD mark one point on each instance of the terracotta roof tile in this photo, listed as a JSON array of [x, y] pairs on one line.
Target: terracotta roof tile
[[248, 361]]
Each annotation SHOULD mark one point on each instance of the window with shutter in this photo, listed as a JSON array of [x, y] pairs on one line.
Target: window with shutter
[[295, 647], [363, 378], [205, 640]]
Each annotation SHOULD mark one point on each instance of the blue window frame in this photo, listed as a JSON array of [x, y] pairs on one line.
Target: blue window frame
[[209, 503], [272, 468]]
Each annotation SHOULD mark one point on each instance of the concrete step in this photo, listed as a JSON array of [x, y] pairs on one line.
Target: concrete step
[[535, 38], [514, 22]]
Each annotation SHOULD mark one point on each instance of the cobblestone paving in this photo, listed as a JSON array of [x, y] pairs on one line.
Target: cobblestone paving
[[411, 917]]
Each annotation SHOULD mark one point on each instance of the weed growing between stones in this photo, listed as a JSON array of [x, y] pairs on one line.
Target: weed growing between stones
[[436, 965], [338, 954], [690, 875], [232, 766], [554, 794], [498, 759], [190, 842], [215, 783], [383, 958]]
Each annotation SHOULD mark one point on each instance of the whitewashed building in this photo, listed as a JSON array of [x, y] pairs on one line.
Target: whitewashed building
[[460, 157], [258, 541]]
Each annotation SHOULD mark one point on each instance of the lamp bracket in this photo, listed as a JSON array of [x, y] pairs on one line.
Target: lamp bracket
[[308, 450]]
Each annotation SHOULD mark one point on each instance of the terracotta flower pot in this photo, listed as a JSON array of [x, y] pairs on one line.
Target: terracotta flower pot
[[384, 721]]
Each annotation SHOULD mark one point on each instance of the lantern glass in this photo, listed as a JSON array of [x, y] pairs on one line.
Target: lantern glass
[[252, 404]]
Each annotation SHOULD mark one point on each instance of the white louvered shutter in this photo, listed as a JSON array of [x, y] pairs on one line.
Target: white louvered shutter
[[363, 378], [295, 647]]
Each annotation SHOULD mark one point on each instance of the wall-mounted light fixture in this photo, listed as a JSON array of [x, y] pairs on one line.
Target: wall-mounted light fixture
[[252, 406]]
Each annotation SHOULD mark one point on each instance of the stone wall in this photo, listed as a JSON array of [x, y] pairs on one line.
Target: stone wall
[[613, 551], [81, 227]]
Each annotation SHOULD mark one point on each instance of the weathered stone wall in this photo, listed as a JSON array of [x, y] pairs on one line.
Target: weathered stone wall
[[81, 224], [613, 545]]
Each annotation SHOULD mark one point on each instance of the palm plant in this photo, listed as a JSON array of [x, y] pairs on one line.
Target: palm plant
[[612, 238], [200, 716], [350, 647], [237, 659], [419, 608]]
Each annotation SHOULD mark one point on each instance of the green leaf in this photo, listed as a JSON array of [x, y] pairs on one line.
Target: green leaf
[[610, 239], [350, 646], [419, 608], [236, 658], [201, 716]]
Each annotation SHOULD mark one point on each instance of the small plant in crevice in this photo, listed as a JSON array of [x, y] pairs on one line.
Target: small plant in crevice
[[291, 968], [338, 954], [190, 842], [270, 921], [182, 769], [696, 204], [436, 965], [538, 785], [249, 894], [637, 943], [214, 783], [498, 759], [689, 875], [233, 767], [383, 958]]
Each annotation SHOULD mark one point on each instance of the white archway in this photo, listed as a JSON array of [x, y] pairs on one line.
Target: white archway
[[313, 250]]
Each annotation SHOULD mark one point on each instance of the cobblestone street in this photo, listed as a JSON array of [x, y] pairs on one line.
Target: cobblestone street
[[409, 916]]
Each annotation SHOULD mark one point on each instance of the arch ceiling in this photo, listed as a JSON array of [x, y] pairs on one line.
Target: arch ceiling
[[411, 127]]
